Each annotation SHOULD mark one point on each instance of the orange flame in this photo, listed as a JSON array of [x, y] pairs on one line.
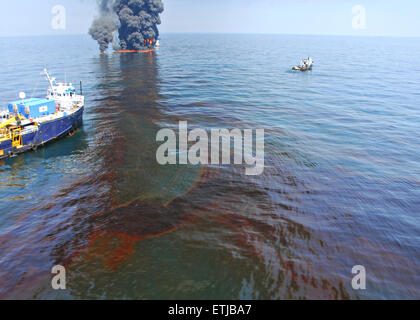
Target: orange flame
[[134, 51]]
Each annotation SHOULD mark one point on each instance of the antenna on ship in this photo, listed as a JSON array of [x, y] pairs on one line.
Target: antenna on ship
[[50, 80], [81, 88]]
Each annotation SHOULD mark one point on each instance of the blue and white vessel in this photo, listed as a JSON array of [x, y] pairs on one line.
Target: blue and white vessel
[[30, 123]]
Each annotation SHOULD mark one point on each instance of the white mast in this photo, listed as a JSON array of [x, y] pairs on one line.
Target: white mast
[[50, 80]]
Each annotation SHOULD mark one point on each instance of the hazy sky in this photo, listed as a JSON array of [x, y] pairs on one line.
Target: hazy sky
[[383, 17]]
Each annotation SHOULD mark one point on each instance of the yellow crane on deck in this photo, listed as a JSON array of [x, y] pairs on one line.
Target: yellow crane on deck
[[5, 134], [11, 120]]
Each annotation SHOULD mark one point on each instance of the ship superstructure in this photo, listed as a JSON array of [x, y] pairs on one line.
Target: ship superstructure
[[30, 123]]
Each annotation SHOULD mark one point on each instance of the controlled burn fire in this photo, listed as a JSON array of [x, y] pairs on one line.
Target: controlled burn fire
[[134, 21], [148, 42]]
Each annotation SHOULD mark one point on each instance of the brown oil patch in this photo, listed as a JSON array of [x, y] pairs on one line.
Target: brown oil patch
[[121, 227]]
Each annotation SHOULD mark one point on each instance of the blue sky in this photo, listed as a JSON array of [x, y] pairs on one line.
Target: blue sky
[[383, 17]]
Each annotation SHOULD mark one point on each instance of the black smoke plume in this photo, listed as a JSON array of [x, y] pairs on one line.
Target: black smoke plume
[[104, 27], [135, 20]]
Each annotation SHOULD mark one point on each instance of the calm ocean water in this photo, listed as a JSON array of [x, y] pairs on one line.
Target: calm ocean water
[[341, 185]]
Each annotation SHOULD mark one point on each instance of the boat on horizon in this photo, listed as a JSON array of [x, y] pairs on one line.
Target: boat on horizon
[[30, 123]]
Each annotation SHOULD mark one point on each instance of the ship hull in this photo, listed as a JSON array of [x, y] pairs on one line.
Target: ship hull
[[47, 132]]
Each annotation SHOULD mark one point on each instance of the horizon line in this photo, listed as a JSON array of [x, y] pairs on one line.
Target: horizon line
[[228, 33]]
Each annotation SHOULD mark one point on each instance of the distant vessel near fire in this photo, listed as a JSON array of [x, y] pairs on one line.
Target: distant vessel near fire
[[305, 65], [30, 123]]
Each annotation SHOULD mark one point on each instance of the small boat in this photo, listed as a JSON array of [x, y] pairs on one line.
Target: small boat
[[305, 65], [157, 45], [30, 123]]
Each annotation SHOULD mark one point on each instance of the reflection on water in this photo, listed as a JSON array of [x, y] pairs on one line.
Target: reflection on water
[[140, 191], [126, 227]]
